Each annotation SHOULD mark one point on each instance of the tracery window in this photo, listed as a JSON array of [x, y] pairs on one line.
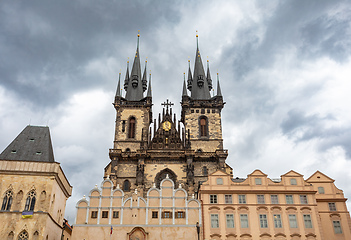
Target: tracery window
[[203, 127], [30, 202], [131, 128], [23, 236], [7, 201]]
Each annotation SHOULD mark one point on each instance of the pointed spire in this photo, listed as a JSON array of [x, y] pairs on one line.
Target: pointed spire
[[208, 78], [190, 78], [135, 88], [200, 89], [185, 93], [144, 81], [118, 91], [149, 88], [126, 80], [219, 92]]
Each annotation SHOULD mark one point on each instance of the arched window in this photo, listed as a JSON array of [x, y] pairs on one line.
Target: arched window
[[36, 235], [7, 201], [126, 186], [131, 128], [23, 235], [203, 127], [10, 236], [30, 202]]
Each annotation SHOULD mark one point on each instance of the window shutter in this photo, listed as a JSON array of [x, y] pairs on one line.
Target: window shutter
[[176, 215]]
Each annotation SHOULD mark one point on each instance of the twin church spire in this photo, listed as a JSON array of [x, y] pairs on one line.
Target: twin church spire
[[199, 83], [134, 83]]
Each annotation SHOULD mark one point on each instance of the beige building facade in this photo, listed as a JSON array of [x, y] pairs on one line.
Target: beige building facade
[[33, 188], [261, 208], [166, 213]]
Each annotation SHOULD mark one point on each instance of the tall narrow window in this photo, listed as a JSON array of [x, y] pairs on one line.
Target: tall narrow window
[[228, 198], [204, 171], [30, 202], [277, 221], [321, 190], [7, 201], [131, 129], [213, 198], [230, 220], [274, 199], [260, 199], [292, 221], [337, 227], [203, 127], [303, 199], [307, 220], [214, 221], [263, 221], [126, 186], [244, 221]]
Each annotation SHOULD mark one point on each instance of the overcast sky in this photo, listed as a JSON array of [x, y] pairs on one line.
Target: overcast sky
[[284, 68]]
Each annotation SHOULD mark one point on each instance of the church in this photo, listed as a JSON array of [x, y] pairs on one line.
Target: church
[[167, 179]]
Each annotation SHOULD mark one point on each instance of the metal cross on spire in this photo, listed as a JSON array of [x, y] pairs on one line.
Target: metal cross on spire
[[167, 104]]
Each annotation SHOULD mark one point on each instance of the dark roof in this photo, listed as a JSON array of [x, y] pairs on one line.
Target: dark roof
[[238, 180], [32, 144]]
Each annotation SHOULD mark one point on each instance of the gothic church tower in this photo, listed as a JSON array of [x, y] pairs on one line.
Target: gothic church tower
[[146, 151]]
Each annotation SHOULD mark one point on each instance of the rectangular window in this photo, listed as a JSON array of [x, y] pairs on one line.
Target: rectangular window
[[214, 221], [167, 214], [213, 198], [321, 190], [308, 221], [230, 220], [242, 199], [277, 221], [244, 221], [260, 199], [263, 221], [154, 214], [289, 199], [258, 181], [337, 227], [104, 214], [292, 221], [115, 214], [332, 206], [274, 199], [293, 181], [94, 214], [228, 198], [180, 214], [303, 199]]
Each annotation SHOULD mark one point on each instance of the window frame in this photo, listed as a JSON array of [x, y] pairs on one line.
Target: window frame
[[104, 214], [115, 214], [213, 199], [260, 199], [203, 128], [228, 198], [277, 220], [337, 227], [263, 221], [131, 127], [303, 199], [258, 181], [214, 220], [292, 221], [293, 181], [244, 221], [229, 220], [274, 199], [93, 214], [154, 214], [289, 197], [321, 190], [242, 199], [7, 201], [332, 206], [307, 219], [30, 201]]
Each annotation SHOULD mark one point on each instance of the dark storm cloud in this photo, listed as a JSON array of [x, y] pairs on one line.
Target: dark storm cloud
[[46, 44], [301, 126]]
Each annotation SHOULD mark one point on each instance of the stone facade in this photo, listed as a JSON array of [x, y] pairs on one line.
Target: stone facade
[[166, 213], [51, 189]]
